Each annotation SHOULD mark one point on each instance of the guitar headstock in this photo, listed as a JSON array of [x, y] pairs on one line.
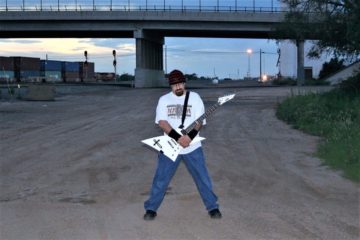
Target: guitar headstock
[[225, 98]]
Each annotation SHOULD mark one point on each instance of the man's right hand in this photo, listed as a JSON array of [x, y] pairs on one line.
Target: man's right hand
[[184, 141]]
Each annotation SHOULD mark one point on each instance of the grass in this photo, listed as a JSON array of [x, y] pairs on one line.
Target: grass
[[334, 116]]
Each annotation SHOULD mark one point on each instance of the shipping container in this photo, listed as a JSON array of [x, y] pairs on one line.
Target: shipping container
[[7, 76], [70, 66], [27, 69], [51, 76], [50, 65], [87, 72], [104, 76], [28, 76], [26, 64], [71, 76], [6, 64]]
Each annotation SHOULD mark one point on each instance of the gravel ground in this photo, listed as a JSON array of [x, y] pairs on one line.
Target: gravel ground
[[75, 169]]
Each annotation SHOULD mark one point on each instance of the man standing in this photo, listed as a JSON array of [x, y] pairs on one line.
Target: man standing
[[169, 116]]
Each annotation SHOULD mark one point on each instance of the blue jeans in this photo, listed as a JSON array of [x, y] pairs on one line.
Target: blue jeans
[[195, 163]]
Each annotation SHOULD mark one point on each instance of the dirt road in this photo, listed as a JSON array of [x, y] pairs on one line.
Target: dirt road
[[75, 169]]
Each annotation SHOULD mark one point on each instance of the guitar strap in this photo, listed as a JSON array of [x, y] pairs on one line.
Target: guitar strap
[[184, 109]]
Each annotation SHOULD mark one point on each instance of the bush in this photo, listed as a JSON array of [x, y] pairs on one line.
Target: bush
[[316, 82], [284, 81], [351, 85], [126, 77]]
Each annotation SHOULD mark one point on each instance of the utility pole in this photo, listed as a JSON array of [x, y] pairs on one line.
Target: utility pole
[[165, 59], [260, 66]]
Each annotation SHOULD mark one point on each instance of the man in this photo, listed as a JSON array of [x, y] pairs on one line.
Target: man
[[169, 116]]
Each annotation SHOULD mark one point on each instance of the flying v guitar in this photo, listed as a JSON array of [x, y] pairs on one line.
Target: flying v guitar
[[169, 147]]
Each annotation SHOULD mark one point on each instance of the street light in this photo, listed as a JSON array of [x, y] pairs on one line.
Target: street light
[[260, 76], [264, 78], [249, 52]]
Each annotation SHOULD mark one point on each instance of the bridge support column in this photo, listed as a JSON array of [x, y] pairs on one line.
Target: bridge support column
[[300, 63], [149, 60]]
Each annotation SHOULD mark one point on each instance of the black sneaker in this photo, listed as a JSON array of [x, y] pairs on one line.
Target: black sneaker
[[215, 213], [149, 215]]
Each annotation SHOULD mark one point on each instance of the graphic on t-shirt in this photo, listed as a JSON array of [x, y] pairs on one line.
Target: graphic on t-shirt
[[176, 111]]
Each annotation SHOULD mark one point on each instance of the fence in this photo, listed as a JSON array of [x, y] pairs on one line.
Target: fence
[[142, 5]]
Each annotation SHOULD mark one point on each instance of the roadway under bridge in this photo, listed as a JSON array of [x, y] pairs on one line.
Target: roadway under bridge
[[149, 28]]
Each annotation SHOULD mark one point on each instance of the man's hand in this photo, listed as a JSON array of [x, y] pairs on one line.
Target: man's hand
[[184, 141]]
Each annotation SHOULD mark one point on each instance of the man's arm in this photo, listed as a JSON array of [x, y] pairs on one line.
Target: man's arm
[[165, 126]]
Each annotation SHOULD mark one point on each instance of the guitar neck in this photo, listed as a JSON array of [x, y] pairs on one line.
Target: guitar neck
[[208, 112]]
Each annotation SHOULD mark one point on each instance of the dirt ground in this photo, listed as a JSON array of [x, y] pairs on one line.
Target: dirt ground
[[75, 169]]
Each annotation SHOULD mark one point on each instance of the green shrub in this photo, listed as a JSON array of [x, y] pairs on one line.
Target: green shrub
[[284, 81], [316, 82], [335, 116], [351, 85]]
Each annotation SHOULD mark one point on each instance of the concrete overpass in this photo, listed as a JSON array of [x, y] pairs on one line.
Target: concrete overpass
[[148, 28]]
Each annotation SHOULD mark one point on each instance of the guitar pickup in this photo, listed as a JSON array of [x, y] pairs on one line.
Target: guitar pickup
[[170, 144]]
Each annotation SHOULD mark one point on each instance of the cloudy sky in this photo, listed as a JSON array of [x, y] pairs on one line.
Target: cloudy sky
[[204, 56]]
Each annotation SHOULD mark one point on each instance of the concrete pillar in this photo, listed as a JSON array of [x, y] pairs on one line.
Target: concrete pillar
[[149, 60], [300, 63]]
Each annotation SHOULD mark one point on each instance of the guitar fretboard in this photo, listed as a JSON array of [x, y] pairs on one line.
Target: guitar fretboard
[[208, 112]]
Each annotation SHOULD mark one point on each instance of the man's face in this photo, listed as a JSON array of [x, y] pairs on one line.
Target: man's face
[[178, 89]]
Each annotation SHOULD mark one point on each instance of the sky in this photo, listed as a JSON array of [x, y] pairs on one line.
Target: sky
[[210, 57]]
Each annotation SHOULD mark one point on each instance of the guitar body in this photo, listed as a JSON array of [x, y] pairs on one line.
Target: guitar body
[[167, 145]]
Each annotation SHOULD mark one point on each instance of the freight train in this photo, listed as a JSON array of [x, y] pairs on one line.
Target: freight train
[[29, 69]]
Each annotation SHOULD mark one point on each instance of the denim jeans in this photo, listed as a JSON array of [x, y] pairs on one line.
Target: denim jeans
[[195, 164]]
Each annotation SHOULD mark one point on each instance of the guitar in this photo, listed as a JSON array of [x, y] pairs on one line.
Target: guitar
[[169, 147]]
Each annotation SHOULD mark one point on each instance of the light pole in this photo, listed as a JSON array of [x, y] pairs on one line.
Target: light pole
[[260, 76], [249, 52]]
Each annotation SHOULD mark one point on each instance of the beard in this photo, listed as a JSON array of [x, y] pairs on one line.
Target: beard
[[179, 92]]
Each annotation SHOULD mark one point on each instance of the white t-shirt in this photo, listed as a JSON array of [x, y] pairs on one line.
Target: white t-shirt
[[170, 108]]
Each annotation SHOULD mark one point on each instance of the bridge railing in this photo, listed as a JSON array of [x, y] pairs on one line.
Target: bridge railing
[[56, 5]]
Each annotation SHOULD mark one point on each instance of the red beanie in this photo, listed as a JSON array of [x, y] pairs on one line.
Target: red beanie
[[176, 76]]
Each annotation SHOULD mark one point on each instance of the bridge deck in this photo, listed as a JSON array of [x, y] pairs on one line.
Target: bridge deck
[[122, 24]]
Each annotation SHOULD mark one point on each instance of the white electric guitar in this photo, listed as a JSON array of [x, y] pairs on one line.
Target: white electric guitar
[[169, 147]]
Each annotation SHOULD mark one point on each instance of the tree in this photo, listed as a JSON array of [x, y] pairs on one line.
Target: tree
[[334, 23], [330, 67], [126, 77], [191, 76]]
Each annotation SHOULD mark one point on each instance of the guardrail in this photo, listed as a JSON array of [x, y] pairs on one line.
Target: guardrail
[[128, 8]]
